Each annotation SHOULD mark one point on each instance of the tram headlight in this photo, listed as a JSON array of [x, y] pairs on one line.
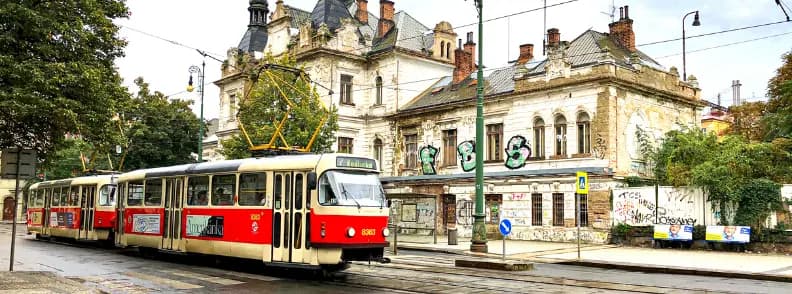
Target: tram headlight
[[385, 232], [350, 232]]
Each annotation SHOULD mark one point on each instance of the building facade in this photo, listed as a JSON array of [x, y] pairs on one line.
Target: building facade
[[7, 200]]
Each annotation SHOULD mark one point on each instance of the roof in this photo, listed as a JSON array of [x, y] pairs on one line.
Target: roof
[[298, 16], [442, 92], [407, 33], [329, 12], [255, 39]]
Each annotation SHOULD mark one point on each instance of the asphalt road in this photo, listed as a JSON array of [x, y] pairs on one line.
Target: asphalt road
[[114, 270]]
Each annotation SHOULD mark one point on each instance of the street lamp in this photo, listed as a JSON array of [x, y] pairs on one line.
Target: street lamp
[[695, 24], [190, 88], [479, 241]]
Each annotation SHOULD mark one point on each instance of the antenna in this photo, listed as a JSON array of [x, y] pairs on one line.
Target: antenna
[[612, 13]]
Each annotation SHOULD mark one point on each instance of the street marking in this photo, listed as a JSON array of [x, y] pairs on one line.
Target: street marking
[[202, 277], [167, 282]]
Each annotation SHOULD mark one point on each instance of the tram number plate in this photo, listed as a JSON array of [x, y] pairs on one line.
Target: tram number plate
[[368, 232]]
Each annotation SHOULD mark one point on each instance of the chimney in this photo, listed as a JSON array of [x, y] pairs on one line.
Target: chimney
[[736, 93], [621, 31], [362, 11], [386, 18], [470, 47], [463, 63], [526, 54], [553, 38]]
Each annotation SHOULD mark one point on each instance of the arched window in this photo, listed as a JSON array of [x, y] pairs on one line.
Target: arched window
[[539, 138], [378, 151], [442, 49], [448, 50], [560, 135], [378, 83], [584, 133]]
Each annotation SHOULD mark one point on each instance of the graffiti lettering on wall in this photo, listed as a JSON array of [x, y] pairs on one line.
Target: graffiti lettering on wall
[[464, 210], [517, 152], [600, 147], [558, 235], [637, 206], [428, 155], [467, 155]]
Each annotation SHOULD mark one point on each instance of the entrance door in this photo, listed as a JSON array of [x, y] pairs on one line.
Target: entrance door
[[46, 215], [120, 239], [288, 218], [280, 251], [171, 237], [298, 224], [8, 209], [87, 211]]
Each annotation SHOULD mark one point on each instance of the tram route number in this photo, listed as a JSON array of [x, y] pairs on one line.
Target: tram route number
[[255, 217], [368, 232]]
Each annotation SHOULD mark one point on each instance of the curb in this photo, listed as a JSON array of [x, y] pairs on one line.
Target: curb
[[680, 271], [424, 249]]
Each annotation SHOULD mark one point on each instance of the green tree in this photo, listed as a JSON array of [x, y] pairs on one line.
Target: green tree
[[265, 107], [748, 120], [56, 71], [779, 108], [65, 162], [158, 132]]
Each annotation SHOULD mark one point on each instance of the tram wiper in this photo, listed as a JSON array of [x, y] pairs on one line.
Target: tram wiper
[[346, 195]]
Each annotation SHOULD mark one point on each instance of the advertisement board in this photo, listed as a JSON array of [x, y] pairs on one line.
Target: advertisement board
[[729, 234], [673, 232], [205, 226], [146, 223]]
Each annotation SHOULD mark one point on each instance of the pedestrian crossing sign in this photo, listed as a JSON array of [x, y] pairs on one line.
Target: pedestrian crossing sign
[[582, 184]]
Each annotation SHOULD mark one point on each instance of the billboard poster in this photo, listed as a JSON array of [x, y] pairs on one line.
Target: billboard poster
[[146, 223], [69, 220], [61, 219], [53, 222], [35, 217], [729, 234], [205, 226], [673, 232]]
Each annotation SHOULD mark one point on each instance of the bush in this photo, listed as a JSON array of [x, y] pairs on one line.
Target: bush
[[643, 231], [620, 230]]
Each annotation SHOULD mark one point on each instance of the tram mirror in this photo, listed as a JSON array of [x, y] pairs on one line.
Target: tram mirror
[[389, 203], [311, 181]]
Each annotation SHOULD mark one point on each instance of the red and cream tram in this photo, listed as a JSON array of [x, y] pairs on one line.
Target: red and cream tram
[[311, 210], [81, 208]]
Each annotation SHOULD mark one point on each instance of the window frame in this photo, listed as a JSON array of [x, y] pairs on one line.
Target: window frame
[[560, 135], [213, 189], [581, 210], [146, 192], [243, 192], [135, 184], [558, 209], [378, 151], [411, 151], [584, 133], [539, 129], [494, 149], [378, 88], [191, 196], [536, 209], [232, 107], [344, 143], [345, 89], [449, 147]]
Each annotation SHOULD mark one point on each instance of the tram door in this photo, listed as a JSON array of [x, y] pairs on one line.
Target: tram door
[[87, 211], [288, 218], [46, 221], [171, 237], [120, 239]]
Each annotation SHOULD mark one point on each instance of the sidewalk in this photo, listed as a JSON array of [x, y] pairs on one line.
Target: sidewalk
[[674, 261], [39, 282]]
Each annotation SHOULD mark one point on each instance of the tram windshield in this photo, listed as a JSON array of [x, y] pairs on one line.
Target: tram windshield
[[351, 189], [107, 195]]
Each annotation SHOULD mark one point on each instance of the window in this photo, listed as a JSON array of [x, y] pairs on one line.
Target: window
[[298, 191], [448, 50], [582, 209], [346, 89], [494, 142], [344, 145], [54, 195], [584, 133], [153, 192], [64, 196], [40, 198], [560, 135], [378, 83], [278, 191], [232, 107], [449, 147], [442, 49], [223, 189], [536, 209], [253, 189], [378, 151], [74, 197], [197, 190], [411, 146], [107, 195], [135, 193], [558, 209], [539, 138]]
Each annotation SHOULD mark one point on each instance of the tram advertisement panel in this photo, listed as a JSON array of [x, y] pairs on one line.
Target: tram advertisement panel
[[36, 217], [146, 223], [61, 219], [205, 226]]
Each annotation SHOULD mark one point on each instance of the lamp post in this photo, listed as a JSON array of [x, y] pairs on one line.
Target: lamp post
[[190, 88], [479, 240], [695, 24]]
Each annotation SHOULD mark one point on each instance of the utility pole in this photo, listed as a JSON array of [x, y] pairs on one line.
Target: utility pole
[[479, 240]]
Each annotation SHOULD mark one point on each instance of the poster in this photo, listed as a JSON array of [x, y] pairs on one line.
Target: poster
[[409, 213], [146, 223], [205, 226], [53, 219], [729, 234], [673, 232], [35, 217]]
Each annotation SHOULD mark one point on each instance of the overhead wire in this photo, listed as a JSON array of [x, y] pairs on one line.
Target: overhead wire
[[727, 44]]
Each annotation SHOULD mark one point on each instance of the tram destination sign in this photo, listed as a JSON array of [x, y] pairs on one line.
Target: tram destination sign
[[355, 162]]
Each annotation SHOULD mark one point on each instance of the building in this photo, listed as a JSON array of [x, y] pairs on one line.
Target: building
[[365, 60], [589, 106], [7, 200], [716, 121]]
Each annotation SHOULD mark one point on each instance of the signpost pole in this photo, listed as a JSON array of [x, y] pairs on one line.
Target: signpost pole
[[505, 228], [582, 187], [504, 247], [577, 199], [14, 217]]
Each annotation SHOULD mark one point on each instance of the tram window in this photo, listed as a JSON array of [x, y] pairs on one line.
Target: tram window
[[197, 190], [135, 193], [50, 194], [223, 190], [84, 195], [289, 188], [74, 196], [252, 189], [153, 192], [107, 195], [297, 230], [298, 191], [326, 195], [276, 238], [278, 190], [63, 194]]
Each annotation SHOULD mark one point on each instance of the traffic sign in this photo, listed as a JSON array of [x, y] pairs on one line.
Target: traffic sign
[[505, 227], [582, 185], [17, 163]]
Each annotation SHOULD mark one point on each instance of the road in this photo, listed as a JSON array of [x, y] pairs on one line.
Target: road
[[114, 270]]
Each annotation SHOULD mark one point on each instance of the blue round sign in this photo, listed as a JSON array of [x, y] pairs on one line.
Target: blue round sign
[[505, 227]]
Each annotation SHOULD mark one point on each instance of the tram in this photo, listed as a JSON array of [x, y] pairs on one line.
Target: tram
[[309, 210], [82, 208]]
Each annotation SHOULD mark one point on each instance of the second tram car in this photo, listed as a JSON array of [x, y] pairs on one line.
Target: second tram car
[[311, 210]]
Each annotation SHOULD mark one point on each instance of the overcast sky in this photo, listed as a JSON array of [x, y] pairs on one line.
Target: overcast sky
[[215, 26]]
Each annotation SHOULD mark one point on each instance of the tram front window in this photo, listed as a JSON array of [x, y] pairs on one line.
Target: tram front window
[[350, 189], [107, 195]]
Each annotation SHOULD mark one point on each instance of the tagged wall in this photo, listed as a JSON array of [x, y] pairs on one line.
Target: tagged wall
[[643, 206]]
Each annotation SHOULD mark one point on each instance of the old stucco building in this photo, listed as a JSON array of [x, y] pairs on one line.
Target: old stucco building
[[373, 65], [587, 107]]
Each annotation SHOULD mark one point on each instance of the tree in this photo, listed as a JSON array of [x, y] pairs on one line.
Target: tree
[[65, 162], [779, 108], [56, 71], [263, 109], [158, 132], [748, 120]]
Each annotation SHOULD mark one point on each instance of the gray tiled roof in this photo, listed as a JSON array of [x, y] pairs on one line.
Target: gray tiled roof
[[255, 39], [408, 33], [329, 12], [298, 16]]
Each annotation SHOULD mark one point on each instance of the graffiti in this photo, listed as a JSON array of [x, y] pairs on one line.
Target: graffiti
[[600, 147], [428, 155], [559, 235], [669, 220], [669, 205], [464, 210], [517, 152], [467, 155]]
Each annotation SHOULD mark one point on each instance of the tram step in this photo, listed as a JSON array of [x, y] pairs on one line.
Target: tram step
[[168, 251]]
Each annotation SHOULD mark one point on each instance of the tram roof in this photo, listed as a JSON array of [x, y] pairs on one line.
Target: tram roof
[[95, 179]]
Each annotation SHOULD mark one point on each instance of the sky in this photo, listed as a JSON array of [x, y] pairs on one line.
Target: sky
[[162, 37]]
